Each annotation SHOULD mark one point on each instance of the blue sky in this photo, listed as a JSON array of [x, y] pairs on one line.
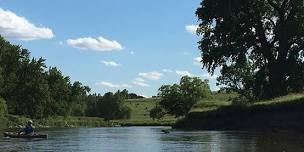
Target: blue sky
[[110, 44]]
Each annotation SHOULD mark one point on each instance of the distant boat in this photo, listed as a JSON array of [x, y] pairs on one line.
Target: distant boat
[[16, 135], [165, 131]]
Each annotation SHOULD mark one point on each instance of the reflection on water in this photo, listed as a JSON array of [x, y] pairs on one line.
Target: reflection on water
[[152, 139]]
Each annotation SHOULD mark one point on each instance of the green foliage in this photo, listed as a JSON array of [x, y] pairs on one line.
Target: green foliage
[[32, 90], [3, 108], [140, 113], [178, 99], [157, 112], [259, 44], [112, 107], [59, 88]]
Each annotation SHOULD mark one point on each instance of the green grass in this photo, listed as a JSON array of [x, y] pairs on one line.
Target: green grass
[[140, 109], [284, 112], [140, 113], [215, 101], [15, 121], [218, 100], [287, 98]]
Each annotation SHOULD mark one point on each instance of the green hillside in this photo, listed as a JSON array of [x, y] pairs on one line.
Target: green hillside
[[140, 113]]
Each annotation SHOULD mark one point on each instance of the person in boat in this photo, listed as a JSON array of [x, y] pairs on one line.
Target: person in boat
[[29, 128]]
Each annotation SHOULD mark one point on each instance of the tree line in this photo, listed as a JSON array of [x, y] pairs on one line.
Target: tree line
[[28, 87]]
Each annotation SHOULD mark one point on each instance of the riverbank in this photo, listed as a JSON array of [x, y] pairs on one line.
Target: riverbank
[[284, 113], [139, 117], [15, 122]]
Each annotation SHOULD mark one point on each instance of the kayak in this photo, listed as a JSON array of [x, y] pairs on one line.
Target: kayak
[[16, 135]]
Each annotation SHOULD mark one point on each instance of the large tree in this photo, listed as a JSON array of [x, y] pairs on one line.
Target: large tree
[[262, 37], [178, 99]]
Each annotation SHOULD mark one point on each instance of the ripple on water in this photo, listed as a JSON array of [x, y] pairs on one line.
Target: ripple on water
[[152, 139]]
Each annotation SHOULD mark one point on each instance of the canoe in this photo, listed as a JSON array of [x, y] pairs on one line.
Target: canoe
[[16, 135]]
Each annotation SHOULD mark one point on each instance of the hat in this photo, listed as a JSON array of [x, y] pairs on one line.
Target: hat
[[30, 121]]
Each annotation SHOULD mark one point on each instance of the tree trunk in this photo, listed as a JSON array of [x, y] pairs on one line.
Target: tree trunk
[[277, 79]]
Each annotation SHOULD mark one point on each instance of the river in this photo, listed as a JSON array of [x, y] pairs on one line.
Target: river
[[151, 139]]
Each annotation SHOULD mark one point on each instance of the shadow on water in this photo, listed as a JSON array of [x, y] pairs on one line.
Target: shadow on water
[[222, 141], [152, 139]]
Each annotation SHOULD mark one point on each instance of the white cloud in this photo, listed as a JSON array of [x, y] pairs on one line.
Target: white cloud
[[197, 61], [141, 84], [111, 64], [111, 85], [191, 28], [99, 44], [132, 52], [139, 79], [210, 77], [151, 75], [167, 70], [183, 73], [17, 27]]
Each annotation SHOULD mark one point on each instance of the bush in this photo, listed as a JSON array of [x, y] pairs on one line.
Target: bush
[[157, 112], [241, 101]]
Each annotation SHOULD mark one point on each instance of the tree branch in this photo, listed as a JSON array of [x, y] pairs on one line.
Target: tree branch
[[274, 5], [291, 14], [284, 3], [271, 21], [265, 45]]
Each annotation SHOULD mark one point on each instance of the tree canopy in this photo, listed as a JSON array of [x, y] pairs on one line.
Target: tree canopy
[[178, 99], [257, 43], [32, 89]]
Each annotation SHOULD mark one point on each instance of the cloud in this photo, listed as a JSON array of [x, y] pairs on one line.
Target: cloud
[[111, 64], [139, 79], [208, 76], [99, 44], [141, 84], [167, 70], [197, 61], [132, 52], [183, 73], [191, 29], [17, 27], [111, 85], [151, 75]]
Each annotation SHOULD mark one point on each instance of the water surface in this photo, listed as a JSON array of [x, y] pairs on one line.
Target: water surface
[[139, 139]]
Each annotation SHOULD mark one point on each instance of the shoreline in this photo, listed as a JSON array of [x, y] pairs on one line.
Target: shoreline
[[259, 117], [14, 122]]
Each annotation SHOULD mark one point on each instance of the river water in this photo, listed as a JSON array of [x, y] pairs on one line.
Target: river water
[[151, 139]]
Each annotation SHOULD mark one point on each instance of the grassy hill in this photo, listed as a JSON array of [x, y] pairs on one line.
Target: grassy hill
[[279, 113], [140, 109], [215, 101], [140, 113]]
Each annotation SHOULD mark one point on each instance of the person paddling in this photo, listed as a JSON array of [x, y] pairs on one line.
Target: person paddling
[[29, 128]]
